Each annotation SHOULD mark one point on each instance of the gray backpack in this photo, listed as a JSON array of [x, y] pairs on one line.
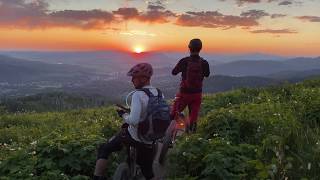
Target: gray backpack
[[154, 126]]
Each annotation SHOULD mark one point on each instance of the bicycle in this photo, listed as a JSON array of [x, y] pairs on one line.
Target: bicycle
[[129, 170], [177, 127]]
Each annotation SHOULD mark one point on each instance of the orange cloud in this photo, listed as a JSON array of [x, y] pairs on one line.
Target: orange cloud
[[34, 14], [24, 14], [127, 13], [156, 16], [273, 16], [215, 19], [309, 18], [285, 3], [241, 2], [255, 14], [275, 31]]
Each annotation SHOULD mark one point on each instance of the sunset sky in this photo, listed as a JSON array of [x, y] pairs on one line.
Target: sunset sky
[[284, 27]]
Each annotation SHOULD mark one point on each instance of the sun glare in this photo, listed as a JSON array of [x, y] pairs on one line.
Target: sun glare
[[138, 49]]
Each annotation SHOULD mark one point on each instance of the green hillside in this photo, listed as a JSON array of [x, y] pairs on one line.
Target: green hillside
[[268, 133], [265, 133]]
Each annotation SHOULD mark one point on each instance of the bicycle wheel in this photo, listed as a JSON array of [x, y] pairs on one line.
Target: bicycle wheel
[[122, 172], [165, 147]]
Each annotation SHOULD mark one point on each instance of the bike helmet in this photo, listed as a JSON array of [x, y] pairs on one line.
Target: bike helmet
[[141, 69]]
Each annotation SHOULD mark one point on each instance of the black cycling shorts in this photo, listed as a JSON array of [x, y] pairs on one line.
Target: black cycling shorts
[[145, 153]]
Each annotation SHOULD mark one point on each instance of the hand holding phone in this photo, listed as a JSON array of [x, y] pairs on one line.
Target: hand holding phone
[[122, 110]]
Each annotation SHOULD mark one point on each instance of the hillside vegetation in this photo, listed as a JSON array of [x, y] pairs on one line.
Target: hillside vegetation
[[270, 133], [262, 133]]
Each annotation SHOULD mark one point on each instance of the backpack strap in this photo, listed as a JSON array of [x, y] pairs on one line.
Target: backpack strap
[[159, 93], [149, 93]]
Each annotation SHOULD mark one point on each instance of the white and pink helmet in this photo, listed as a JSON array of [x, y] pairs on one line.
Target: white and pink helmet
[[141, 69]]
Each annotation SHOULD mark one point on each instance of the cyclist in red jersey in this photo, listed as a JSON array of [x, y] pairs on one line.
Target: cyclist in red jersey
[[193, 70]]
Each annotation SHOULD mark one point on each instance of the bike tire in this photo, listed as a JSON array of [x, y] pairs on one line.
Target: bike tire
[[122, 172], [165, 147]]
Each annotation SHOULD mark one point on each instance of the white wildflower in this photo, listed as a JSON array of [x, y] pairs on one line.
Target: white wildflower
[[184, 154], [274, 168], [289, 165], [309, 166]]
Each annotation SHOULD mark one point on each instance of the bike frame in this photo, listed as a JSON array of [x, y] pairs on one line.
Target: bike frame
[[131, 160]]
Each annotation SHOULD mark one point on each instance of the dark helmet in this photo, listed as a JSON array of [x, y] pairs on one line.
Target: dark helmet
[[141, 69], [195, 45]]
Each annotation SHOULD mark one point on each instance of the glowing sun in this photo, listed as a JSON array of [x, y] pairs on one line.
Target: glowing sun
[[138, 49]]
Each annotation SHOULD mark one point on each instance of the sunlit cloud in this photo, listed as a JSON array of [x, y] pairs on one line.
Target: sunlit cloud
[[127, 13], [285, 3], [35, 14], [256, 14], [138, 33], [156, 16], [273, 16], [241, 2], [274, 31], [156, 7], [215, 19], [309, 18], [280, 2]]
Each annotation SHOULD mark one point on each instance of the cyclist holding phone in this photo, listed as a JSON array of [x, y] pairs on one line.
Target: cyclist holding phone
[[141, 75]]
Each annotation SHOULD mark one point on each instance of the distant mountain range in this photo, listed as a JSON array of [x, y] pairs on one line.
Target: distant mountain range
[[14, 70], [264, 67], [110, 60], [104, 61], [104, 73]]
